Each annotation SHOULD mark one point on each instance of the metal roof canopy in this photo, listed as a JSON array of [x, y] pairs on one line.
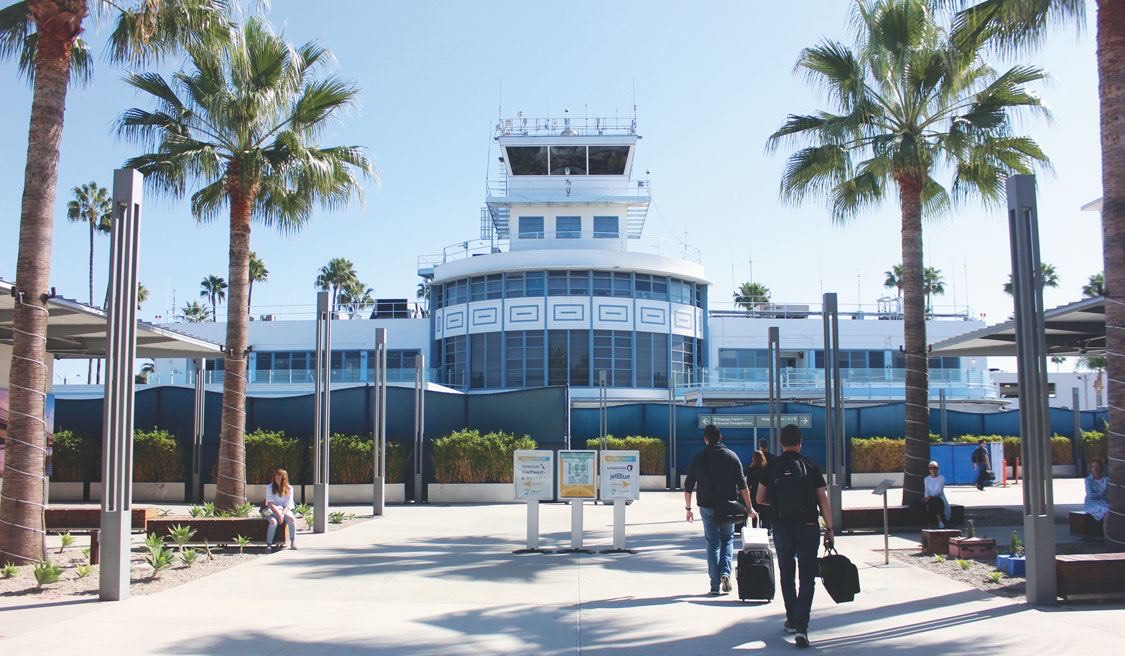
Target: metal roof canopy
[[75, 330], [1074, 329]]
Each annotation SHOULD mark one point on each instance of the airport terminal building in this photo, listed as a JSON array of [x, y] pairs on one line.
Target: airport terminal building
[[561, 287]]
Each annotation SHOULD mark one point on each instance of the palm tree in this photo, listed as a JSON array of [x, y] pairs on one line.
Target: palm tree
[[1015, 25], [43, 36], [258, 273], [932, 284], [1096, 364], [910, 103], [356, 296], [142, 376], [1047, 276], [242, 126], [214, 288], [142, 295], [91, 205], [751, 295], [335, 276], [894, 280], [1095, 287], [194, 312]]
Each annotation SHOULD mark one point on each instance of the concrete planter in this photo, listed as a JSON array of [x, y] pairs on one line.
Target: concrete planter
[[1012, 565], [147, 492], [972, 548], [1062, 471], [65, 492], [870, 479], [471, 493], [652, 483]]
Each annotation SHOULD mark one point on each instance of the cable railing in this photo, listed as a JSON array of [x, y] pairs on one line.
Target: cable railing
[[563, 240], [526, 126], [764, 308], [574, 187], [289, 376], [856, 383]]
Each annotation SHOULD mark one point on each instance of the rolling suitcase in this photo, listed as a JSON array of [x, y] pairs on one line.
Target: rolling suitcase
[[755, 573]]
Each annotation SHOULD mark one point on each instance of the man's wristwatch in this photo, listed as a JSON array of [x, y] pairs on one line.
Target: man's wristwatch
[[688, 508]]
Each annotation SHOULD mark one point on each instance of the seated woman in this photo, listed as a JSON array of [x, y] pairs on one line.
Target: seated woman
[[1097, 504], [933, 500], [279, 508]]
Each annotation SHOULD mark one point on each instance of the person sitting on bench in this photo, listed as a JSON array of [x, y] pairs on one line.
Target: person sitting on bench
[[934, 501], [1097, 503], [279, 508]]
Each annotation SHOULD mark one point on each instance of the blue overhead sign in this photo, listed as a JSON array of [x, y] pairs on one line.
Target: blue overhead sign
[[753, 421]]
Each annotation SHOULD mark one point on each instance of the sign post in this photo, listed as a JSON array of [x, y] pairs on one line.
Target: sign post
[[577, 483], [533, 474], [881, 489], [620, 483]]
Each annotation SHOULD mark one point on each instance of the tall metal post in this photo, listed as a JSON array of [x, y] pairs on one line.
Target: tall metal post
[[833, 407], [322, 391], [1031, 366], [197, 426], [379, 427], [671, 427], [1076, 444], [943, 413], [117, 415], [774, 355], [603, 410], [566, 438], [419, 425]]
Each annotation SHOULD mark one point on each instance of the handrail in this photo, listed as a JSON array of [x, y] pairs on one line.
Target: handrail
[[566, 239], [525, 126]]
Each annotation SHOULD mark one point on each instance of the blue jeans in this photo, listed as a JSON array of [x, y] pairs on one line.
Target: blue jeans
[[797, 544], [720, 546]]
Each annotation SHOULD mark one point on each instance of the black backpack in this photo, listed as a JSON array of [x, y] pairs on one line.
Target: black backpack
[[789, 490]]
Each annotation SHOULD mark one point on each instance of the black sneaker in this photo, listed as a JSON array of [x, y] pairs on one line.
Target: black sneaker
[[802, 639], [789, 628]]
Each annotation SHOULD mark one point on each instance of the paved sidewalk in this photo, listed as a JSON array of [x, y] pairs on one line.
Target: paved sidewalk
[[442, 580]]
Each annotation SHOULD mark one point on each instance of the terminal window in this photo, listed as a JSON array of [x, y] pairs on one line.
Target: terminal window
[[608, 160], [528, 160], [568, 160], [568, 227], [605, 227], [531, 227]]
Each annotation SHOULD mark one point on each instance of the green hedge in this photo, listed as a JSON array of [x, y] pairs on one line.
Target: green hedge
[[651, 448], [267, 451], [351, 461], [466, 456], [1094, 445], [157, 457], [869, 454]]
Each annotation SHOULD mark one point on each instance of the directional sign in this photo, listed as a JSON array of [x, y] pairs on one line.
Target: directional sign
[[621, 475], [533, 474], [753, 421]]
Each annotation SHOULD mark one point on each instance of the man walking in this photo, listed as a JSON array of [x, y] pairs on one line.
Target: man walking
[[715, 475], [794, 489], [983, 464]]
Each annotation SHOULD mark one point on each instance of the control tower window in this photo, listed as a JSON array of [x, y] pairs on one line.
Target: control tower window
[[531, 227], [608, 160], [528, 160], [605, 227], [568, 160], [568, 227]]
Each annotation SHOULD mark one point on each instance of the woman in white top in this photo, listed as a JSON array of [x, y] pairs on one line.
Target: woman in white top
[[934, 501], [279, 508]]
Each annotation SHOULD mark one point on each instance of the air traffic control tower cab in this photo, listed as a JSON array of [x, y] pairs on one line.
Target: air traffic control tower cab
[[562, 288]]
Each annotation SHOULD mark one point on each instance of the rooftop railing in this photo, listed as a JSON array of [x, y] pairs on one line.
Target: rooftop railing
[[563, 240], [856, 383], [535, 188], [881, 309], [525, 126]]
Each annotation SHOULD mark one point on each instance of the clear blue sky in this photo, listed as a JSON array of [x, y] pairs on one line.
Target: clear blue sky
[[712, 81]]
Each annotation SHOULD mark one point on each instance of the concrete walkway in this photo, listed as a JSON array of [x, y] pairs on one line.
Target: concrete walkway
[[443, 580]]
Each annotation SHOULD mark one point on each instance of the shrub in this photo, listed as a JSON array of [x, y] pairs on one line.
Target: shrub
[[351, 461], [466, 456], [157, 457], [1094, 446], [1061, 452], [270, 450], [76, 458], [877, 454], [651, 448]]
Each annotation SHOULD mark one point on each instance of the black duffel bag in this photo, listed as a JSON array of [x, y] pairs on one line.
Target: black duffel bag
[[840, 576]]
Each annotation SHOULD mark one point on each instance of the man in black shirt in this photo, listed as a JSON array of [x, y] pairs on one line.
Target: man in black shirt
[[715, 475], [981, 462], [795, 489]]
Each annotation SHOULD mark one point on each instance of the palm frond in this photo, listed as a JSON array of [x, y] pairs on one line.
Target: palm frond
[[1012, 25]]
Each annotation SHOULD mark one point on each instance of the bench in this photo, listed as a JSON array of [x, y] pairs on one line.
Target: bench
[[89, 517], [936, 540], [218, 530], [1085, 526], [899, 517], [1090, 576]]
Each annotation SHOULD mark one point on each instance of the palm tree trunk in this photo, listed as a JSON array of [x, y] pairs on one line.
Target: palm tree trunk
[[1111, 73], [58, 23], [231, 488], [917, 454], [90, 362]]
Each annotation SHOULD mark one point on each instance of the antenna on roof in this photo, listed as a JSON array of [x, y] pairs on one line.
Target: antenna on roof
[[634, 99], [500, 102]]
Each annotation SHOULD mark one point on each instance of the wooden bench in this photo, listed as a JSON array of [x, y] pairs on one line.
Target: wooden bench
[[1090, 576], [218, 530], [89, 517], [1085, 526], [899, 517]]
